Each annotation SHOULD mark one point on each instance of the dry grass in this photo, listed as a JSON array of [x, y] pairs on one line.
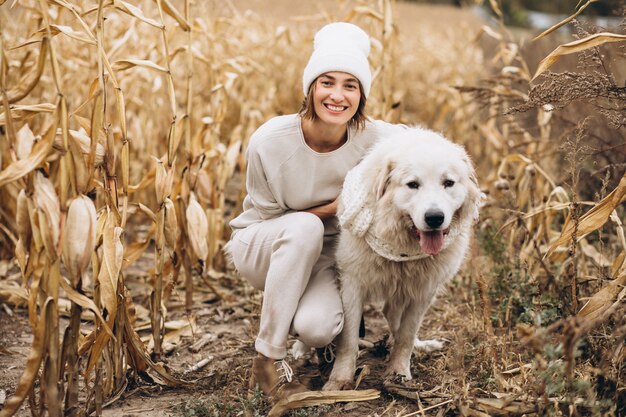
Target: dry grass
[[125, 139]]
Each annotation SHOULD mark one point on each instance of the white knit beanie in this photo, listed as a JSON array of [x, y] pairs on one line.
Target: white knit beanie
[[341, 47]]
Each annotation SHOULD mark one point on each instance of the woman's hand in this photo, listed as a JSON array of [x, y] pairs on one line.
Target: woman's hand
[[325, 211]]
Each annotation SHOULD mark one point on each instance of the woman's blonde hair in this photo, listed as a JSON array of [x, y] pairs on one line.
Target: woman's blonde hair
[[307, 110]]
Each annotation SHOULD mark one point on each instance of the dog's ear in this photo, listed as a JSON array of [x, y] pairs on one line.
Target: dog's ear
[[469, 209], [382, 179]]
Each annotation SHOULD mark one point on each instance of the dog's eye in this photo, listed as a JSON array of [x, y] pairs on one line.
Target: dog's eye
[[448, 183], [413, 185]]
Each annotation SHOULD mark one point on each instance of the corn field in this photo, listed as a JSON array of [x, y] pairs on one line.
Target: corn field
[[123, 134]]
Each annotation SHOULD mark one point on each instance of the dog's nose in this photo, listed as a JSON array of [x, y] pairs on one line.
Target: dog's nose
[[434, 218]]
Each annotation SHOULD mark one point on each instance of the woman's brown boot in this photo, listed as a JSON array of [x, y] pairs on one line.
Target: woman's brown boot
[[274, 378]]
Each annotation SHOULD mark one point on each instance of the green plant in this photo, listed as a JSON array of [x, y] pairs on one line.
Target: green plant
[[254, 403], [215, 406], [514, 293], [311, 412], [208, 407]]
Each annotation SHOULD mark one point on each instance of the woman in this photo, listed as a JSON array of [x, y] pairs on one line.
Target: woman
[[283, 241]]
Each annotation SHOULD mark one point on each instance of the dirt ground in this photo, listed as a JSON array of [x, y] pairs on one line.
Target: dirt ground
[[220, 387], [222, 384]]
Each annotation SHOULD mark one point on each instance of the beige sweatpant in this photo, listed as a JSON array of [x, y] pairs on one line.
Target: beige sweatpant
[[291, 260]]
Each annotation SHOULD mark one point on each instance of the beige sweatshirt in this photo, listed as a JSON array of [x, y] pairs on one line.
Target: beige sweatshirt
[[284, 174]]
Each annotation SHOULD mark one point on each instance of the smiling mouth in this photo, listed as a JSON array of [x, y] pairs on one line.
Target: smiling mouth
[[431, 241], [335, 109]]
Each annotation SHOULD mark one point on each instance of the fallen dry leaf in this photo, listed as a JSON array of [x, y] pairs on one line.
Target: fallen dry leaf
[[314, 398]]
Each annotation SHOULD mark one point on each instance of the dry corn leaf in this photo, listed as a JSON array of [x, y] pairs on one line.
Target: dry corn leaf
[[135, 250], [365, 371], [577, 46], [13, 294], [83, 140], [93, 89], [22, 218], [21, 256], [34, 226], [314, 398], [366, 11], [141, 359], [164, 179], [33, 362], [564, 21], [505, 406], [619, 227], [68, 31], [181, 328], [124, 64], [96, 127], [24, 112], [618, 262], [228, 163], [594, 218], [496, 8], [171, 10], [48, 213], [85, 302], [604, 299], [521, 159], [215, 219], [159, 237], [176, 133], [29, 80], [112, 256], [490, 32], [147, 211], [65, 5], [203, 185], [135, 12], [591, 252], [80, 171], [34, 38]]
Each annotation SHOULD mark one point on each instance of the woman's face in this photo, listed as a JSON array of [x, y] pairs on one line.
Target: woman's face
[[336, 97]]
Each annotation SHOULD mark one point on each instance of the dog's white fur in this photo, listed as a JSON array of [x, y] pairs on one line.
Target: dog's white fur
[[399, 213]]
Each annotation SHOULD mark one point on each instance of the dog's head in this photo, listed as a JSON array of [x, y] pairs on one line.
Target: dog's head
[[424, 181]]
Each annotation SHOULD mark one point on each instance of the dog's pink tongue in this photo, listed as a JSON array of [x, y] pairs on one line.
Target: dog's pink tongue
[[432, 241]]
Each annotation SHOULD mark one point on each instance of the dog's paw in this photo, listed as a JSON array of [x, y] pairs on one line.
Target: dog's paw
[[428, 345], [299, 350], [338, 385]]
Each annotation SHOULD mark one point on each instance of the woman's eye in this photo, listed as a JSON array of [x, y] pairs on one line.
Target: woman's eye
[[448, 183], [326, 83], [351, 87], [414, 185]]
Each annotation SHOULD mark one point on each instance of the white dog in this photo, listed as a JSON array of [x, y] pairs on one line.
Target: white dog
[[406, 212]]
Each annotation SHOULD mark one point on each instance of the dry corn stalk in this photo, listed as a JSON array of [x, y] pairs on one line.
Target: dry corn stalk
[[78, 246]]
